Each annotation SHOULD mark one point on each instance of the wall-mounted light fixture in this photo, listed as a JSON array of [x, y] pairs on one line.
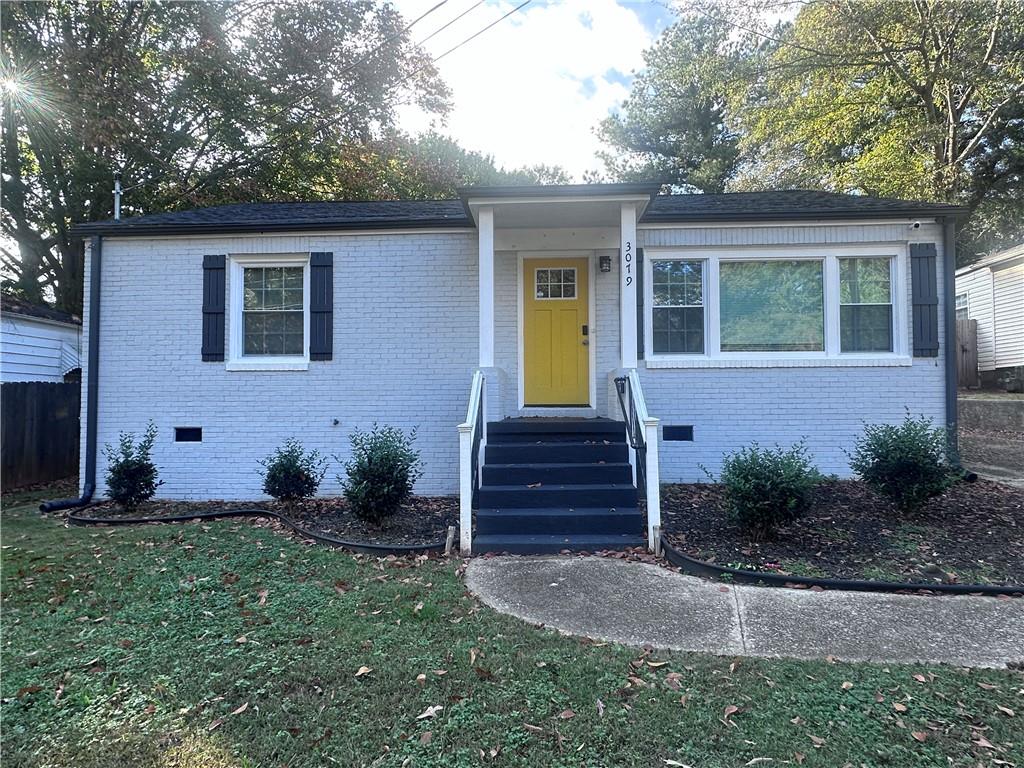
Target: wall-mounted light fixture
[[606, 263]]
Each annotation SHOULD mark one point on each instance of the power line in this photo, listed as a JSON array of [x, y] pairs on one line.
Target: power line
[[473, 36], [442, 29]]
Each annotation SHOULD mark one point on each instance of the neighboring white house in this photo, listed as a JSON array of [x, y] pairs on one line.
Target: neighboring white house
[[37, 343], [719, 320], [991, 291]]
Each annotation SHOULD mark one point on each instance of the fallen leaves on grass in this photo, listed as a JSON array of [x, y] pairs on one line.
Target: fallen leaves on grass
[[240, 709], [363, 671], [566, 714], [429, 712], [919, 736]]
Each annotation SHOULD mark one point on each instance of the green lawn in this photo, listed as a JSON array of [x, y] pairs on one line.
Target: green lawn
[[230, 644]]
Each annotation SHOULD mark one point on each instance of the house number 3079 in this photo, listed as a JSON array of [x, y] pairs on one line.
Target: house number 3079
[[627, 262]]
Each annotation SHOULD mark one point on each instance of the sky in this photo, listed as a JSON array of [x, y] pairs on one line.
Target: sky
[[533, 88]]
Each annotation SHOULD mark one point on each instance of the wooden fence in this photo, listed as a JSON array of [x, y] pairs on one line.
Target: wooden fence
[[38, 432], [967, 353]]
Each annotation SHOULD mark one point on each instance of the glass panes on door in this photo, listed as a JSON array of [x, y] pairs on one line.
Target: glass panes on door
[[555, 283]]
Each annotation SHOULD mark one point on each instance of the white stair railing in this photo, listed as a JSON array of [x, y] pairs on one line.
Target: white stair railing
[[472, 441], [642, 433]]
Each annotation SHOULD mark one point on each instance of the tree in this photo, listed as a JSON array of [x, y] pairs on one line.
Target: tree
[[900, 98], [674, 127], [196, 103]]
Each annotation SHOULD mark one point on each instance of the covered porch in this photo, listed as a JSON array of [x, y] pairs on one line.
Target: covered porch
[[557, 291]]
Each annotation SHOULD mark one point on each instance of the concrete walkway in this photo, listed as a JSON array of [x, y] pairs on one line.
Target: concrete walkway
[[642, 604]]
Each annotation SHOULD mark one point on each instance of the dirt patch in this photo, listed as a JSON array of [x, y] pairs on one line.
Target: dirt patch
[[973, 533], [1000, 450], [421, 520]]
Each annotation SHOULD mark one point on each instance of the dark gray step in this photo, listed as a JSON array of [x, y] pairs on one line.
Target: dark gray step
[[576, 474], [560, 521], [539, 545], [557, 495], [541, 425], [555, 453], [555, 430]]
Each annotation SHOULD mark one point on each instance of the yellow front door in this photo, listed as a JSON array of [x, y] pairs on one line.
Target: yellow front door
[[556, 356]]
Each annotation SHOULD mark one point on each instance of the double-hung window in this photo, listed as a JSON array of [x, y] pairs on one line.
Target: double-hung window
[[865, 305], [963, 307], [269, 318], [678, 309], [793, 304]]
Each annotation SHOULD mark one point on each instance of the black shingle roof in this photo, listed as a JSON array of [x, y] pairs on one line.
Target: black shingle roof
[[393, 214], [19, 306]]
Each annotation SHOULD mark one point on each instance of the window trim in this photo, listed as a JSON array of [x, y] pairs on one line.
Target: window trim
[[967, 304], [829, 255], [237, 360]]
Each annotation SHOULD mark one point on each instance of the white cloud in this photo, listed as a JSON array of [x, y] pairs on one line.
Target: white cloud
[[532, 88]]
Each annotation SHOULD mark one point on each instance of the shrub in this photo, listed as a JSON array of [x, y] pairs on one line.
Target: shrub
[[381, 472], [766, 487], [905, 462], [131, 473], [290, 473]]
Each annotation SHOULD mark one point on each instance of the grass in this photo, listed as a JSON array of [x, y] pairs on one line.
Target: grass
[[228, 644]]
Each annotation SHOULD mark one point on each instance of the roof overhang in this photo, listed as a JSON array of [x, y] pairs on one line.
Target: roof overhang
[[125, 229], [561, 205]]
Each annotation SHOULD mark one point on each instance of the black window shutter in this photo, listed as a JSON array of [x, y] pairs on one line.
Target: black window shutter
[[925, 299], [321, 306], [213, 308], [639, 303]]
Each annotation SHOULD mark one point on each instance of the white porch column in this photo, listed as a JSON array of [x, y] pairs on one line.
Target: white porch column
[[485, 227], [627, 284]]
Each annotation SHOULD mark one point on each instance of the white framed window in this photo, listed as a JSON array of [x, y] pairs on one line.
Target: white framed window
[[269, 312], [677, 307], [786, 305], [865, 304], [554, 283], [963, 306]]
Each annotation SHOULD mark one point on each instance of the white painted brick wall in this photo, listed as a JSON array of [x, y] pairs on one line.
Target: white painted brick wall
[[730, 408], [405, 347]]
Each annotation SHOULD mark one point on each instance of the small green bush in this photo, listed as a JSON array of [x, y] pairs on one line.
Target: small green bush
[[290, 473], [381, 473], [768, 487], [905, 462], [131, 473]]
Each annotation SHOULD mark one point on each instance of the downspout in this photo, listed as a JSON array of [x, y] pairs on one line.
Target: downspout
[[949, 312], [92, 382]]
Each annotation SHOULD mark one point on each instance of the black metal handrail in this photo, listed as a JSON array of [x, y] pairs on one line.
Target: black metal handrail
[[478, 435], [634, 429]]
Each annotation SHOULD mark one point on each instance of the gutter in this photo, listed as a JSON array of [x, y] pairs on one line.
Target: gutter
[[124, 227], [92, 382], [949, 313]]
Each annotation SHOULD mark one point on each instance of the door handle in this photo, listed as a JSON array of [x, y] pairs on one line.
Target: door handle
[[585, 342]]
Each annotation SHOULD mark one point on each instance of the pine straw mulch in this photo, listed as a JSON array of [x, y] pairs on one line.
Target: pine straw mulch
[[971, 534], [421, 520]]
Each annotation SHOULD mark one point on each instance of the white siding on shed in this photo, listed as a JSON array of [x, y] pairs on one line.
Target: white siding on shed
[[33, 349], [1008, 298], [978, 287]]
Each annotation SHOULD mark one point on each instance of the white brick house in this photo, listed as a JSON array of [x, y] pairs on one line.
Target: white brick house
[[734, 318]]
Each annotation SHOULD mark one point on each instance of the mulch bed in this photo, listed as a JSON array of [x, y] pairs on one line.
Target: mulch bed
[[971, 534], [421, 520]]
